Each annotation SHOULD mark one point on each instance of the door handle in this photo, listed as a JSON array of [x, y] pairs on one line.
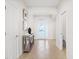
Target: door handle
[[5, 33], [17, 35]]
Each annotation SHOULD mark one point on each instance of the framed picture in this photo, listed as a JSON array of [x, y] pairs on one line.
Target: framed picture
[[25, 14]]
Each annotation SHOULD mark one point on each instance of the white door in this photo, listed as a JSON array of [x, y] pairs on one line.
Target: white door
[[59, 31], [11, 30]]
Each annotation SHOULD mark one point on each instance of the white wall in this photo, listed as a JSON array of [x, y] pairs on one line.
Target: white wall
[[13, 27], [46, 14], [67, 5]]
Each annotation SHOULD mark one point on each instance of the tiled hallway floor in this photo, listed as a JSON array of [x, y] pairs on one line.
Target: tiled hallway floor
[[44, 49]]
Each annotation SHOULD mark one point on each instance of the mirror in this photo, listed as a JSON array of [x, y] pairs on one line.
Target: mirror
[[25, 25], [25, 13]]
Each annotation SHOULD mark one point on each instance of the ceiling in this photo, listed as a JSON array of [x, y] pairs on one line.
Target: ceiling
[[42, 3]]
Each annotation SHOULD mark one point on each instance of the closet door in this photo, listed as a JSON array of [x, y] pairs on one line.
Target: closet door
[[10, 31], [59, 31]]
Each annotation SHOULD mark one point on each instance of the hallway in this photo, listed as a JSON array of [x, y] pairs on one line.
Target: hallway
[[44, 49], [47, 19]]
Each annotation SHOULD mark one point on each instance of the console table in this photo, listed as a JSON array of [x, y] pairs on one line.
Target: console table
[[28, 41]]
